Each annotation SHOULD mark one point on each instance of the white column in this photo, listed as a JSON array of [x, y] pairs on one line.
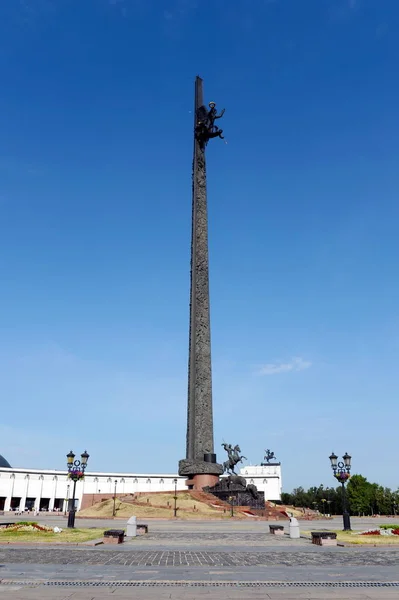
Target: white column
[[38, 498], [22, 502], [7, 504], [53, 492]]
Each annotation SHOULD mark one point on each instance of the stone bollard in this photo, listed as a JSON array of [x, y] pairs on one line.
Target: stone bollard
[[131, 530], [294, 528]]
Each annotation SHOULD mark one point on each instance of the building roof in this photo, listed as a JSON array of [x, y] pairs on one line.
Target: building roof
[[4, 463]]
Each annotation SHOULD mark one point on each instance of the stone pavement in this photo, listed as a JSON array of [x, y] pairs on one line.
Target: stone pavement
[[307, 556], [205, 593], [162, 525], [200, 560]]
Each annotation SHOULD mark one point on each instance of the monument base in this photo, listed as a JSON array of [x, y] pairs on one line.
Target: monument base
[[199, 467], [198, 482], [200, 473]]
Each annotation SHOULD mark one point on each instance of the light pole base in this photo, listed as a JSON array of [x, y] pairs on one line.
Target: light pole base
[[347, 522], [71, 519]]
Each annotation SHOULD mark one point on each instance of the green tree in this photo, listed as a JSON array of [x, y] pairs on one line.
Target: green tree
[[359, 495], [286, 498], [364, 498]]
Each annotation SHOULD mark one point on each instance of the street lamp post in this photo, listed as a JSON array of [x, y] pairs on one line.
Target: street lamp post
[[175, 498], [342, 474], [76, 471], [114, 510], [231, 499]]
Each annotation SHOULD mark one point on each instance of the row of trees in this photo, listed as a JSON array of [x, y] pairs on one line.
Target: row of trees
[[364, 498]]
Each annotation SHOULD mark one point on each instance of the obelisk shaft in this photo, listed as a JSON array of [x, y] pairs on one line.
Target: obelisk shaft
[[199, 419], [200, 463]]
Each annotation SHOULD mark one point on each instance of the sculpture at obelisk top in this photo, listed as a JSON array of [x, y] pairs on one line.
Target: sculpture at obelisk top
[[200, 464], [205, 127]]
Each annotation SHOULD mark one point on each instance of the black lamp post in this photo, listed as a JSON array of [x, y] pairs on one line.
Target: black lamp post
[[114, 510], [342, 474], [175, 498], [232, 498], [76, 472]]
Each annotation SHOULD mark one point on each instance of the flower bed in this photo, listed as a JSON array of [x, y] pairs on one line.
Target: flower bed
[[30, 526], [384, 530]]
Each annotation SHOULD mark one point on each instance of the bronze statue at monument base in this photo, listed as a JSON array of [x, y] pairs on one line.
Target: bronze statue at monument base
[[234, 489]]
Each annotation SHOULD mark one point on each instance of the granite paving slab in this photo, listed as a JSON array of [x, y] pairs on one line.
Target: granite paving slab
[[171, 558]]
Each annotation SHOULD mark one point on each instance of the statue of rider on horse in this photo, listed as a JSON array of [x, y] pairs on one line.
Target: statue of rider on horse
[[205, 128], [269, 456], [234, 457]]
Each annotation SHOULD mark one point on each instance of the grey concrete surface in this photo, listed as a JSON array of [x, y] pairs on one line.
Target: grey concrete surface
[[205, 593], [159, 525], [177, 554]]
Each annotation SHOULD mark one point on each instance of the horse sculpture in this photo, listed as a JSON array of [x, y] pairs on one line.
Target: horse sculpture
[[234, 458]]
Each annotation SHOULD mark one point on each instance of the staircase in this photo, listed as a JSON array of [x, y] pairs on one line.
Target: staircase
[[269, 513], [209, 499]]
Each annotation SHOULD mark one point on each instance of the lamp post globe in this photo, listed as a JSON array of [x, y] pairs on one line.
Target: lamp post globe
[[347, 461], [333, 460], [84, 457]]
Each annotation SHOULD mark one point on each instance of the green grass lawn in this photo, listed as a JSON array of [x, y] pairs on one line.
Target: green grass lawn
[[348, 537], [352, 537], [66, 535]]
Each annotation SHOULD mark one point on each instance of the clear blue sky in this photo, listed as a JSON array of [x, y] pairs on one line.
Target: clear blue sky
[[95, 198]]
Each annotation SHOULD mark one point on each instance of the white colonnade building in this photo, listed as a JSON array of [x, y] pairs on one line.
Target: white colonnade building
[[39, 489]]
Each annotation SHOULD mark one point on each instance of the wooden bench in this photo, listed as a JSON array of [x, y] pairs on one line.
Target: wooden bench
[[113, 536], [324, 538], [142, 528], [276, 529]]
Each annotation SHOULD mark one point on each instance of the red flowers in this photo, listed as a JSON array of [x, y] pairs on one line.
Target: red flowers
[[76, 475]]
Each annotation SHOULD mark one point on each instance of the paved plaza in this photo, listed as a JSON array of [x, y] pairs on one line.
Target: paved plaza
[[191, 560]]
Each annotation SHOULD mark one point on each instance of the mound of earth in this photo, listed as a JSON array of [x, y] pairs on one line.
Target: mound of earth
[[161, 505]]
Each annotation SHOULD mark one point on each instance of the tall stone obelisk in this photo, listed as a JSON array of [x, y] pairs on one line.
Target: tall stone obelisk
[[200, 464]]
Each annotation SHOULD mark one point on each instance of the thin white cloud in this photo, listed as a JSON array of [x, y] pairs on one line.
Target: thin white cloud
[[296, 364]]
